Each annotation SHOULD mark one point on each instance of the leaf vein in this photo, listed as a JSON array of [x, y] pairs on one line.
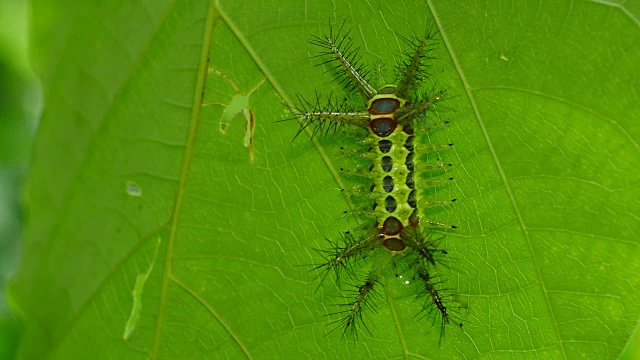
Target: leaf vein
[[516, 209]]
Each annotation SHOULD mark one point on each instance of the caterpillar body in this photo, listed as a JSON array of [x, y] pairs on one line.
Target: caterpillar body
[[394, 117]]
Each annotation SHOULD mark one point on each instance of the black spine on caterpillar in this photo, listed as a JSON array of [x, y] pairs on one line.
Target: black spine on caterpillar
[[437, 296], [389, 115]]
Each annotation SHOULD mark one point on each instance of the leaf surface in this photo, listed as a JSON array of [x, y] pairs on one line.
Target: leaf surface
[[160, 133]]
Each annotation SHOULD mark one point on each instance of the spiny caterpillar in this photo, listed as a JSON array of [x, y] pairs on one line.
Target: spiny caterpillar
[[397, 241]]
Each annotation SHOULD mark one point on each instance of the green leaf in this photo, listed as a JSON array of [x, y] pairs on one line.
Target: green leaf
[[161, 122]]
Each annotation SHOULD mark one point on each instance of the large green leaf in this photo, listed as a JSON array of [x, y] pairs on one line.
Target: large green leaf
[[134, 188]]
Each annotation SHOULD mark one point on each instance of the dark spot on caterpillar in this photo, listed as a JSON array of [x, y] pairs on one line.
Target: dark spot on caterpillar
[[409, 143], [408, 130], [384, 146], [390, 204], [383, 127], [409, 182], [409, 161], [412, 199], [387, 183], [391, 226], [394, 244], [386, 163], [383, 106]]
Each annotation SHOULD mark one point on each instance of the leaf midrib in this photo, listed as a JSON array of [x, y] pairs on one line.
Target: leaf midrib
[[196, 108]]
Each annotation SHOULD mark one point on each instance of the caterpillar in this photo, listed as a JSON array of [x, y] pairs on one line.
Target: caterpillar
[[392, 118]]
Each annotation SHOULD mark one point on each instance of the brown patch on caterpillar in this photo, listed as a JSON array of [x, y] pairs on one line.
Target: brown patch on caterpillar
[[383, 127], [394, 244], [414, 219], [391, 226]]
